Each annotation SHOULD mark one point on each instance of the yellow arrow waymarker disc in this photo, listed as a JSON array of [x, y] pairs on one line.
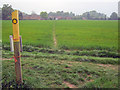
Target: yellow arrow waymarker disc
[[14, 21]]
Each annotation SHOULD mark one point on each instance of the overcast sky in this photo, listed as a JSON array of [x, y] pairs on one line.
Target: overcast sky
[[75, 6]]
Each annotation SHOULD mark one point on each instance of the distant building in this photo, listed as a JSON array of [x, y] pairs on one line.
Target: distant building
[[59, 18], [56, 18], [83, 18], [31, 17], [68, 18]]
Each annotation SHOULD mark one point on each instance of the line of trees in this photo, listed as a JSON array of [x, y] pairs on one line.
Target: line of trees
[[91, 15]]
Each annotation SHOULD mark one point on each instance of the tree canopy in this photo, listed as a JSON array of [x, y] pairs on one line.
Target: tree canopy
[[94, 15], [44, 15], [6, 11], [114, 16]]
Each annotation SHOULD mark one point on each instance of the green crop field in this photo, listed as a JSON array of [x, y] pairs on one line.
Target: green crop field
[[87, 34], [34, 33], [69, 34], [63, 54]]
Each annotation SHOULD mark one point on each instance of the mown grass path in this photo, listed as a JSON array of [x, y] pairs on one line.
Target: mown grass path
[[54, 36]]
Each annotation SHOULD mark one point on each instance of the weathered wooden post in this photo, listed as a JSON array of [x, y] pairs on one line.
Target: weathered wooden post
[[16, 39]]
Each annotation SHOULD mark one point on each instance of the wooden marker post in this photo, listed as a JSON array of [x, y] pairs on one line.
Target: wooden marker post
[[16, 39]]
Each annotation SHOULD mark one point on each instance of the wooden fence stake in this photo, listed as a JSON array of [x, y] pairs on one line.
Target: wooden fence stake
[[16, 39]]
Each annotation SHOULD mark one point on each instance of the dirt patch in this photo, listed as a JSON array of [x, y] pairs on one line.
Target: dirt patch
[[108, 66], [28, 68], [54, 39], [69, 62], [69, 84], [5, 59], [91, 80], [69, 65]]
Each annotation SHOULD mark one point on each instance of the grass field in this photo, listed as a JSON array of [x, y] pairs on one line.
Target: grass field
[[50, 70], [63, 54], [33, 32], [69, 34], [87, 34]]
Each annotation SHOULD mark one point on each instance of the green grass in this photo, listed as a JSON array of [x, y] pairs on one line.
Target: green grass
[[70, 34], [46, 68], [90, 61], [60, 56], [87, 34], [36, 33], [95, 53], [51, 73]]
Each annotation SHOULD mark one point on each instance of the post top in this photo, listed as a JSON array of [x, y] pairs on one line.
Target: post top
[[16, 11]]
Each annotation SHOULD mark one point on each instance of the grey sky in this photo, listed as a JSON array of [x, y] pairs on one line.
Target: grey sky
[[76, 6]]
